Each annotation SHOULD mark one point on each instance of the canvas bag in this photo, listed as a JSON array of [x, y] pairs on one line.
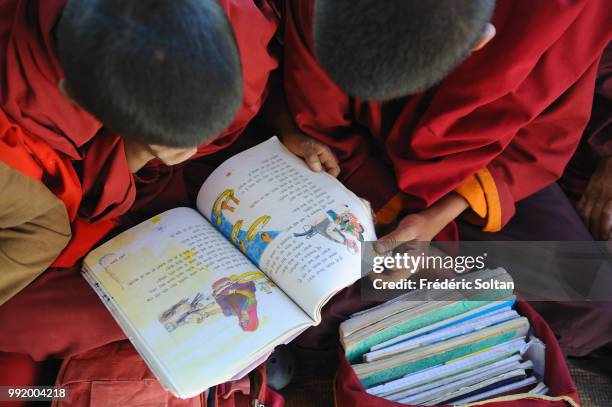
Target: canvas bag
[[250, 391], [116, 375], [349, 392]]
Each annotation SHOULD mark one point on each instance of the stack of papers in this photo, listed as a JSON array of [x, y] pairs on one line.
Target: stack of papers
[[424, 350]]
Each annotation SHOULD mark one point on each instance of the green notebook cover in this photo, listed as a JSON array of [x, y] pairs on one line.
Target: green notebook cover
[[355, 353], [434, 360]]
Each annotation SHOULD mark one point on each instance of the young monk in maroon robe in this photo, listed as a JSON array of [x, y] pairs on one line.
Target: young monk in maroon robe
[[495, 133], [122, 109]]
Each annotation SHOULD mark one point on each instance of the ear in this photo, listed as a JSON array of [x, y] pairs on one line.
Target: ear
[[487, 35], [64, 91]]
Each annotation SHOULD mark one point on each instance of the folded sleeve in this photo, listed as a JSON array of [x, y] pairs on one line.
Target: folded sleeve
[[483, 197], [34, 229]]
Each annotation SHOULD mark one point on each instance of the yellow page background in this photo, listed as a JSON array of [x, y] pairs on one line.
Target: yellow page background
[[174, 256]]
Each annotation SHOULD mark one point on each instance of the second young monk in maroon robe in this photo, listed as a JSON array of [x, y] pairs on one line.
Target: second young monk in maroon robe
[[501, 127]]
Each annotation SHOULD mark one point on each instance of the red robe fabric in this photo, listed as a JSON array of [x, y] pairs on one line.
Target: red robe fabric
[[514, 109], [85, 166]]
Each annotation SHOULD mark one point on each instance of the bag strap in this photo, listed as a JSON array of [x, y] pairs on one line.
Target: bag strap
[[570, 401]]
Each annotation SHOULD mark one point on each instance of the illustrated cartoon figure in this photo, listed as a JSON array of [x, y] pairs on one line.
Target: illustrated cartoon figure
[[231, 296], [325, 228], [347, 223], [340, 228], [236, 296], [257, 227], [223, 203], [188, 312], [251, 239]]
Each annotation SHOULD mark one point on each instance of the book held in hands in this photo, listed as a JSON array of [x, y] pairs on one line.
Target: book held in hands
[[205, 295]]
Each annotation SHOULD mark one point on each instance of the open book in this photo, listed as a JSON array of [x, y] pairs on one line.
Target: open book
[[206, 295]]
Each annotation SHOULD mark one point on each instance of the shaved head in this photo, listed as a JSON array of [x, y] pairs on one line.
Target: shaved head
[[384, 49], [158, 71]]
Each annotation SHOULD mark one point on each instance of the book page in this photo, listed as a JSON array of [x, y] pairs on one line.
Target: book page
[[202, 310], [303, 229]]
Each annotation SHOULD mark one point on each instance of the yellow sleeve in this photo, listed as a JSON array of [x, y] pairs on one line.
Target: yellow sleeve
[[481, 194]]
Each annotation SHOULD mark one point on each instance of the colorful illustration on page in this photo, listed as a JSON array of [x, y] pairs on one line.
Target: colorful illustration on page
[[233, 297], [340, 227], [251, 239]]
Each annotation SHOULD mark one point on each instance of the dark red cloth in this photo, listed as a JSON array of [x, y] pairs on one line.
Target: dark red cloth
[[516, 107], [29, 73], [114, 375], [596, 142], [56, 316], [20, 370]]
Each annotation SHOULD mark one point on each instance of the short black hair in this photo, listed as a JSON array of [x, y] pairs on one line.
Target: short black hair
[[384, 49], [162, 72]]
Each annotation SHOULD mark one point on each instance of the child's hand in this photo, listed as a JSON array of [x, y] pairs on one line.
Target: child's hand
[[414, 227], [425, 225], [317, 155]]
